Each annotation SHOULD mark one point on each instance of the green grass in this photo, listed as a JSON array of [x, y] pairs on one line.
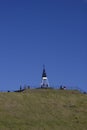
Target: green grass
[[43, 109]]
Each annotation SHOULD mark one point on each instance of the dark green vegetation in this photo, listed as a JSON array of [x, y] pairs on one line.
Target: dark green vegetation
[[43, 109]]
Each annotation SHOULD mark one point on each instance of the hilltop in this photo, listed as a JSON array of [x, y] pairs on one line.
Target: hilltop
[[43, 109]]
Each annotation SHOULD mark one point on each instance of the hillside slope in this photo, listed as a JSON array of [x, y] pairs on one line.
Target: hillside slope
[[41, 109]]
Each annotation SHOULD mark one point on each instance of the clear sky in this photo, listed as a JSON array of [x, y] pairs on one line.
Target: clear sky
[[37, 32]]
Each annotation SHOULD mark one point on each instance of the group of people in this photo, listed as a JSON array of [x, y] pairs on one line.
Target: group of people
[[63, 87]]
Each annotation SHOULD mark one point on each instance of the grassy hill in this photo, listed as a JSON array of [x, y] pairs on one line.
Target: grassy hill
[[43, 109]]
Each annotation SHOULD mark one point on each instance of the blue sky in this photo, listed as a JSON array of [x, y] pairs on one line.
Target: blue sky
[[37, 32]]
